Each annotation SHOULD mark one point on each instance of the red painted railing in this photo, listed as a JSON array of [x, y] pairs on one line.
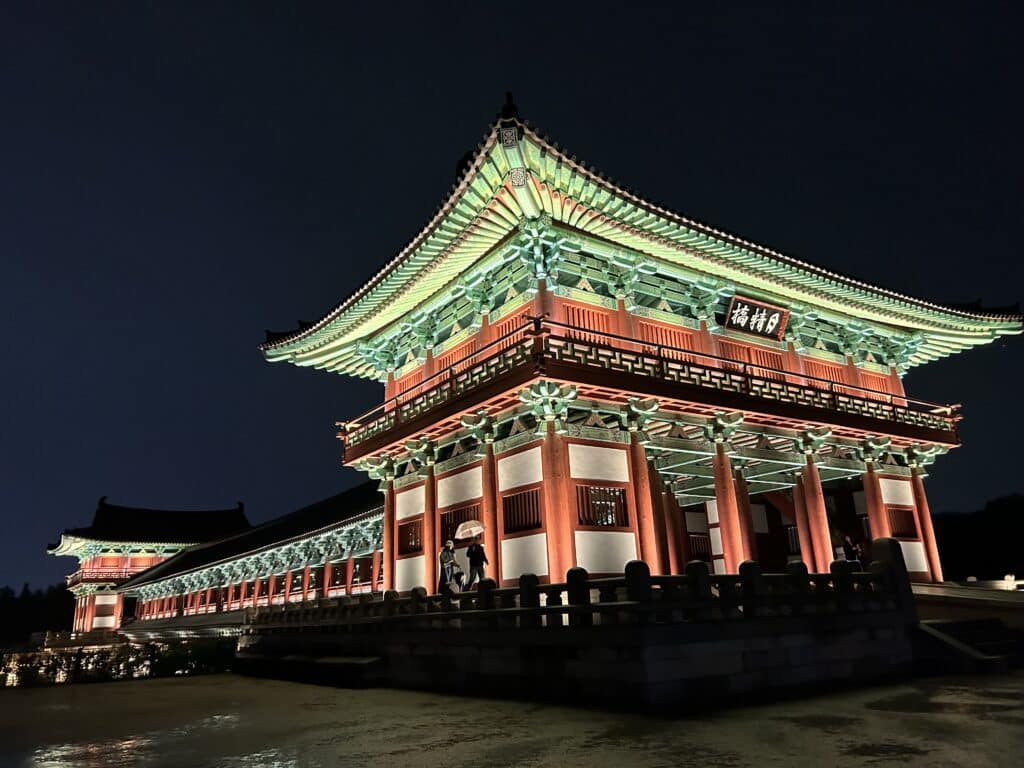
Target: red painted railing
[[540, 340]]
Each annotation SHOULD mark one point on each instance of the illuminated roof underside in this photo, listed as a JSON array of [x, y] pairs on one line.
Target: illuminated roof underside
[[517, 174]]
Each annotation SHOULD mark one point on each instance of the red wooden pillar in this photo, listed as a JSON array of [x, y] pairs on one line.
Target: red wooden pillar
[[746, 521], [645, 521], [255, 591], [271, 586], [556, 511], [489, 510], [924, 523], [349, 568], [671, 521], [431, 547], [389, 534], [728, 512], [288, 585], [326, 586], [241, 594], [878, 518], [817, 515], [305, 583], [803, 526], [685, 555], [375, 570]]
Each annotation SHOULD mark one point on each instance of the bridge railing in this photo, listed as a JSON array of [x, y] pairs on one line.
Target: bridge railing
[[636, 597]]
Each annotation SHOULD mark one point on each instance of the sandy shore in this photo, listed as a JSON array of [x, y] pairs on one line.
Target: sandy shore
[[233, 721]]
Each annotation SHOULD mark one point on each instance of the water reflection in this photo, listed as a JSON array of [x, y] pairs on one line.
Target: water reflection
[[152, 748]]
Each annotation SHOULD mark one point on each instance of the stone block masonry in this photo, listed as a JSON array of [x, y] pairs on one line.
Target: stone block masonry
[[635, 642]]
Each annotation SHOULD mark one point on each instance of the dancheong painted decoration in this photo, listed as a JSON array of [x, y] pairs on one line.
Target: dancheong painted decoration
[[597, 379]]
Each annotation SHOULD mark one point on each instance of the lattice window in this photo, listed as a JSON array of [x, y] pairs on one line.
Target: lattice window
[[792, 540], [670, 340], [453, 518], [600, 506], [521, 511], [822, 370], [879, 386], [581, 319], [408, 387], [771, 361], [512, 323], [733, 351], [700, 546], [410, 537], [902, 522], [458, 359]]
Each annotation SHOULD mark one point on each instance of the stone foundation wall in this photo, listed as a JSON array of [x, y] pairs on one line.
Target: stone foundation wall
[[679, 665]]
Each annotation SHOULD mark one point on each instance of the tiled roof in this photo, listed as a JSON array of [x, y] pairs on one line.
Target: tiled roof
[[322, 514], [117, 523]]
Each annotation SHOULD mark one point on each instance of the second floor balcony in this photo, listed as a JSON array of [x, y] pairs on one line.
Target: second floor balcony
[[608, 366]]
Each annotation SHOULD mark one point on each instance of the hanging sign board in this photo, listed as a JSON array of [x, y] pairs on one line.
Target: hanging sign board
[[756, 317]]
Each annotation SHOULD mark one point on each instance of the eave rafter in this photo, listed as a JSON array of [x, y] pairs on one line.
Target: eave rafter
[[516, 174]]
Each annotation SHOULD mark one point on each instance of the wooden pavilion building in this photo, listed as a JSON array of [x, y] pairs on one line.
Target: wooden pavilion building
[[599, 379], [124, 541]]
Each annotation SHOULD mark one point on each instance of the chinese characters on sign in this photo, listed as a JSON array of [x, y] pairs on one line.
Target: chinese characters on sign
[[756, 317]]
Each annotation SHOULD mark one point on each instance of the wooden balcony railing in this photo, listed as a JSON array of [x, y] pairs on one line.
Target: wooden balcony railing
[[539, 342], [635, 597]]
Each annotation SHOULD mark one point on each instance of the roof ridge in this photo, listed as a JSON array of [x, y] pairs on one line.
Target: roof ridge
[[279, 339]]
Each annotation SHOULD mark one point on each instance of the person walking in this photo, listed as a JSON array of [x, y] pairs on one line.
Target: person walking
[[477, 560]]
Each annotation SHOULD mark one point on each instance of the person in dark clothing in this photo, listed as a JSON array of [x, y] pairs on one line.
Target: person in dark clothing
[[477, 560]]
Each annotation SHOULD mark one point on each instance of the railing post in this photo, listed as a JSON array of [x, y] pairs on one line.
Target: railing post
[[753, 589], [485, 595], [638, 588], [578, 587], [529, 600], [698, 591], [888, 555], [418, 597], [842, 582], [797, 585]]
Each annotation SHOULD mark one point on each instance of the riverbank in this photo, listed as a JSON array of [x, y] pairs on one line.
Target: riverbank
[[227, 721]]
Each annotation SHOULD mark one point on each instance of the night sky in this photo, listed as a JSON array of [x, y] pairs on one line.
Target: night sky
[[177, 177]]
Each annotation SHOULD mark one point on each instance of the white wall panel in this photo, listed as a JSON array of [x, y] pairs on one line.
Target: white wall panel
[[605, 551], [897, 492], [525, 554], [589, 462], [719, 565], [461, 486], [410, 503], [409, 574], [521, 468], [103, 622], [715, 535], [914, 556], [712, 508], [696, 522], [107, 599]]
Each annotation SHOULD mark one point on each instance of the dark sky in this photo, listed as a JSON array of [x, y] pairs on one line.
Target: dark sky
[[177, 177]]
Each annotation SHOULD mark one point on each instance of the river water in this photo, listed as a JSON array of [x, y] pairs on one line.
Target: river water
[[226, 721]]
